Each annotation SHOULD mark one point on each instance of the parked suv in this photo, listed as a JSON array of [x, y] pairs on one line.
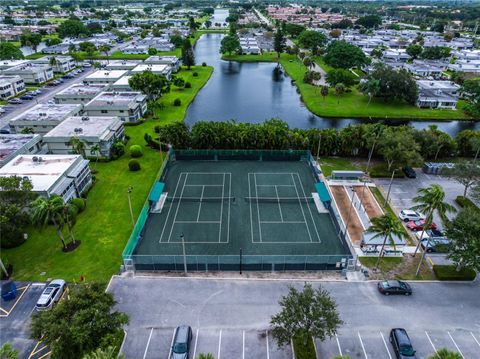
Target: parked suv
[[50, 295], [439, 245], [401, 344], [181, 342], [408, 215]]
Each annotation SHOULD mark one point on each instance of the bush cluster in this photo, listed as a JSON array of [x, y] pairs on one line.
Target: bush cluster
[[177, 102], [79, 203], [133, 165], [136, 151]]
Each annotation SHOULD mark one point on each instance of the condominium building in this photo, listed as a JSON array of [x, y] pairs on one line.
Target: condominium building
[[31, 73], [79, 93], [104, 77], [61, 64], [127, 106], [10, 86], [12, 145]]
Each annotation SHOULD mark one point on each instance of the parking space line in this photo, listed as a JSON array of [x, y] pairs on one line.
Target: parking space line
[[24, 290], [171, 344], [363, 347], [268, 349], [196, 341], [476, 341], [148, 343], [338, 343], [243, 345], [454, 343], [219, 343], [430, 340], [386, 347]]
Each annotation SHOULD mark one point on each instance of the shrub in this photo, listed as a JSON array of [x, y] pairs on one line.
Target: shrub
[[450, 272], [204, 64], [177, 102], [12, 241], [195, 74], [134, 165], [80, 203], [188, 85], [136, 151], [466, 203], [118, 149]]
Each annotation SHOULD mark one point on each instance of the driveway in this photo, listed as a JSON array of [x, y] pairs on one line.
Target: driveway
[[230, 317]]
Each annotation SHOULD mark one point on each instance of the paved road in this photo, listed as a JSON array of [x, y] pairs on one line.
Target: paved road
[[230, 318]]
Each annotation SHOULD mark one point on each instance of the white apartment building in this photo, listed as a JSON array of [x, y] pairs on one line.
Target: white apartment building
[[127, 106], [62, 63], [158, 69], [172, 61], [31, 73], [79, 93], [10, 86], [104, 77], [12, 145]]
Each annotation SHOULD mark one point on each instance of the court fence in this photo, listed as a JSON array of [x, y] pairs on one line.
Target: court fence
[[213, 263]]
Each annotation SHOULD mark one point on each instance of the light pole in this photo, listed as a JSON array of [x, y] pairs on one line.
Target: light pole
[[349, 212], [370, 154], [184, 254], [389, 187], [129, 192], [319, 143]]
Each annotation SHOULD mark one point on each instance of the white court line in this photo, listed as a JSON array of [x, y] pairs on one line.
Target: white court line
[[229, 197], [363, 347], [278, 185], [178, 207], [171, 345], [279, 206], [203, 185], [258, 207], [251, 218], [454, 343], [243, 347], [309, 209], [338, 344], [195, 346], [200, 204], [198, 222], [475, 339], [279, 222], [268, 349], [169, 209], [219, 344], [386, 347], [221, 211], [430, 340], [148, 343], [301, 207]]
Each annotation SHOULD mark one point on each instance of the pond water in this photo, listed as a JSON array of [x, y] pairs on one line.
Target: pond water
[[253, 92]]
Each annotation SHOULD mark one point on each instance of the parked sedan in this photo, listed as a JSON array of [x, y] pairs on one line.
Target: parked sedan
[[181, 342], [26, 97], [439, 245], [15, 101], [50, 295], [418, 225], [402, 346], [409, 172], [388, 287]]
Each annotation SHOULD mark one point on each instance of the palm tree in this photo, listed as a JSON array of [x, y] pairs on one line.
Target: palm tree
[[339, 90], [52, 61], [388, 227], [324, 92], [95, 150], [47, 211], [445, 354], [68, 215], [205, 356], [78, 146], [107, 353], [430, 200]]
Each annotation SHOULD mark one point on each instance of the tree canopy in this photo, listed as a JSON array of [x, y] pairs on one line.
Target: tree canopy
[[435, 52], [336, 76], [152, 85], [398, 147], [9, 51], [188, 57], [230, 44], [312, 40], [369, 21], [414, 50], [72, 28], [31, 39], [341, 54]]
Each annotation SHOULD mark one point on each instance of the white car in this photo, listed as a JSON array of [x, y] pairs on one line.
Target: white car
[[51, 294], [408, 215]]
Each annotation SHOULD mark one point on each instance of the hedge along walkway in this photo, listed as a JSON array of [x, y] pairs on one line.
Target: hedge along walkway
[[105, 225], [352, 104]]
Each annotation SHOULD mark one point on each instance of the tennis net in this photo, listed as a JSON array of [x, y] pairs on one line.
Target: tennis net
[[279, 199]]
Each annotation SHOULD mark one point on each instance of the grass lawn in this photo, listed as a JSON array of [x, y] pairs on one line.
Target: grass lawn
[[105, 226], [329, 164], [397, 268], [352, 104], [35, 56]]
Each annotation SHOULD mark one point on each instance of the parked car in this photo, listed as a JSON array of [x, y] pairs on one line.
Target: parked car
[[409, 172], [87, 65], [51, 294], [402, 346], [53, 83], [419, 224], [408, 215], [68, 76], [37, 91], [15, 101], [26, 97], [32, 93], [439, 245], [429, 233], [181, 342], [388, 287]]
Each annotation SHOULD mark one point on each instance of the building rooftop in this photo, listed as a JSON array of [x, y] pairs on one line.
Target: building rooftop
[[48, 112], [43, 171], [122, 81], [79, 88], [106, 74], [163, 59], [123, 63], [158, 68], [437, 85], [116, 99], [6, 64], [84, 126], [13, 142]]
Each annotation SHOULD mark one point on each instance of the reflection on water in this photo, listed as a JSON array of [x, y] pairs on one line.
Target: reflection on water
[[253, 92]]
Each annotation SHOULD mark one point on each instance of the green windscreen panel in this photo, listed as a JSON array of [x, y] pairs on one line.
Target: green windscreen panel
[[323, 192], [156, 191]]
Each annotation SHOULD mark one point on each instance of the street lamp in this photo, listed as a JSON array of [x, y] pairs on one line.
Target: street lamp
[[390, 187], [349, 212], [129, 192]]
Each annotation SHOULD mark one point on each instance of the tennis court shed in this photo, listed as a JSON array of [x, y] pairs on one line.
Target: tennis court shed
[[346, 175]]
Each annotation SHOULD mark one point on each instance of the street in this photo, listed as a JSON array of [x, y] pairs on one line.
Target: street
[[230, 317]]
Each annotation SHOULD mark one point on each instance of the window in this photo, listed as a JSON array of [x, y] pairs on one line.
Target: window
[[104, 111]]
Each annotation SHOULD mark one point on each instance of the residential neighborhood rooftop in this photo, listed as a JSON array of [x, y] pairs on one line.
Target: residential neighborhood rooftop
[[84, 126], [10, 143], [46, 111]]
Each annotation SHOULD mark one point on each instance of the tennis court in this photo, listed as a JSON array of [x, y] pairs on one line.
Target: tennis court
[[221, 208]]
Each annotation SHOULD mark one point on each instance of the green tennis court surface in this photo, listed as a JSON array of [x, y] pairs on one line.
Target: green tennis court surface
[[221, 207]]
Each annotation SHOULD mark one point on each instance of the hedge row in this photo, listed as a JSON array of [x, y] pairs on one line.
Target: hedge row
[[450, 272]]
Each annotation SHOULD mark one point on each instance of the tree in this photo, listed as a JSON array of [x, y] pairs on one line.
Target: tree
[[434, 143], [78, 146], [188, 57], [9, 51], [177, 40], [152, 85], [105, 49], [311, 76], [414, 50], [72, 28], [230, 44], [464, 232], [82, 322], [88, 47], [428, 201], [47, 211], [370, 21], [279, 42], [444, 353], [30, 39], [339, 90], [305, 314], [436, 52], [312, 40], [344, 55], [192, 24], [471, 90], [207, 24], [324, 92], [466, 173], [94, 28], [53, 41], [95, 150], [377, 52], [336, 76], [107, 353], [335, 33], [343, 24], [388, 227], [294, 29], [178, 81], [15, 198], [8, 352], [398, 147], [370, 88], [205, 356]]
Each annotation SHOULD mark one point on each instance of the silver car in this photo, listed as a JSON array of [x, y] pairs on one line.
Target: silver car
[[51, 294]]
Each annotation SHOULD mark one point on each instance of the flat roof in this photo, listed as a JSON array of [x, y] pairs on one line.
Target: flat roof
[[151, 67], [437, 85], [5, 64], [10, 143], [116, 99], [43, 174], [157, 58], [122, 81], [126, 63], [48, 112], [80, 88], [106, 74], [84, 126]]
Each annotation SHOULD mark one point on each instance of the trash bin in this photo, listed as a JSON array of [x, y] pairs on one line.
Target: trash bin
[[9, 290]]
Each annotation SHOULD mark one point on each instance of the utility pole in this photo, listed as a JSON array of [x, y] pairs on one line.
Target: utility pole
[[184, 254], [129, 191], [370, 154]]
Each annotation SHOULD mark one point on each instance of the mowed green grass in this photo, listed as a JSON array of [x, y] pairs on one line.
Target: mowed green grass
[[352, 104], [105, 226]]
